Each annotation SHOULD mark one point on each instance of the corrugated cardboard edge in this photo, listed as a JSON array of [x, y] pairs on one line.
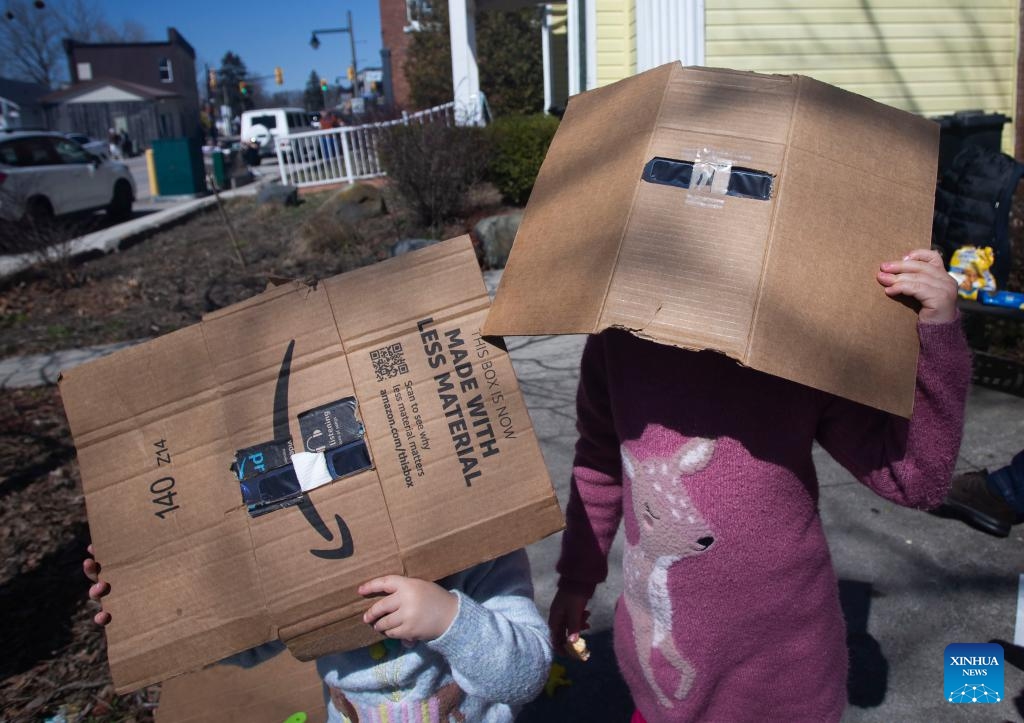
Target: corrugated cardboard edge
[[517, 308]]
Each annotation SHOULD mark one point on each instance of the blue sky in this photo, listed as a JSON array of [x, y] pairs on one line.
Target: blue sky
[[264, 33]]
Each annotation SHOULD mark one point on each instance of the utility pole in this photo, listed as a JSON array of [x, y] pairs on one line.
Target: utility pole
[[314, 42], [355, 68]]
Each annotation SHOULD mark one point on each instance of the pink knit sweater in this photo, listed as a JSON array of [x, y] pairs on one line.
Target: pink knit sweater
[[730, 610]]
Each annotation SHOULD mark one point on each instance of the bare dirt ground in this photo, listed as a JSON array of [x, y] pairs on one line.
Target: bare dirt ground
[[55, 658]]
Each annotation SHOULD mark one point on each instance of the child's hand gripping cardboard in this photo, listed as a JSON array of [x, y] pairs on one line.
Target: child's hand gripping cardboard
[[922, 276]]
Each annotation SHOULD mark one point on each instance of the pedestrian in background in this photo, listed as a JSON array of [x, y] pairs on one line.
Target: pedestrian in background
[[989, 501], [328, 142], [114, 144]]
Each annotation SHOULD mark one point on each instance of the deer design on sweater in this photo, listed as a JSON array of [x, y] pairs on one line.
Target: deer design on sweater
[[670, 529]]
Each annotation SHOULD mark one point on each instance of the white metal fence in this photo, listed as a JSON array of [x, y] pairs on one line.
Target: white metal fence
[[349, 153]]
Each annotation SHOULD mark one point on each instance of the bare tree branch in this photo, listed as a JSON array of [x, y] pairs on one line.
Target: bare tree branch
[[31, 38]]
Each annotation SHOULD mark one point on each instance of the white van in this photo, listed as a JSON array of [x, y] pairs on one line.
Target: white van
[[263, 126]]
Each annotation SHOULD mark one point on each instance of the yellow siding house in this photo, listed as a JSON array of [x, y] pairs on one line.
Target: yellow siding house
[[932, 57]]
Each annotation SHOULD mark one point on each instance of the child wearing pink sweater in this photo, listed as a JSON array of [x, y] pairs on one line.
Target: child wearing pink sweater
[[730, 610]]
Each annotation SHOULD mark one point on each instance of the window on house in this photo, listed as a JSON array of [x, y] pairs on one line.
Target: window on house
[[166, 72], [417, 13], [84, 71]]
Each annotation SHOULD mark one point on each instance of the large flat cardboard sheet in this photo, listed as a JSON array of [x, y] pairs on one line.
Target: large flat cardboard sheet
[[784, 284], [456, 478]]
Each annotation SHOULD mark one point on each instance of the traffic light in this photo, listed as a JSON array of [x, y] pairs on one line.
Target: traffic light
[[243, 87], [351, 73], [213, 79], [278, 75], [323, 85]]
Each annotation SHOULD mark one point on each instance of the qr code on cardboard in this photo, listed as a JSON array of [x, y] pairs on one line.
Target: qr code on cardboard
[[388, 362]]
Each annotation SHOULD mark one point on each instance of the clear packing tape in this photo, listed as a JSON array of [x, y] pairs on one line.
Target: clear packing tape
[[709, 178]]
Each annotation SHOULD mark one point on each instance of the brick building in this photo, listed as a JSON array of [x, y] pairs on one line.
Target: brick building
[[396, 22], [146, 89]]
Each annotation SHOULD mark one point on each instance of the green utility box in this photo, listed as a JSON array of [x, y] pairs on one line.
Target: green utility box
[[220, 175], [179, 166]]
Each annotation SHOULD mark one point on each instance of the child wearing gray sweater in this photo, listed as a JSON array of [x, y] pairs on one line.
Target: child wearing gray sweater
[[471, 647]]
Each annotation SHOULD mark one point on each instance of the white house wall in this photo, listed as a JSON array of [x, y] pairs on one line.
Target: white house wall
[[668, 30]]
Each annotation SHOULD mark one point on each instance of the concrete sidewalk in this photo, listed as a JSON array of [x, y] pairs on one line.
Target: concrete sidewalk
[[158, 214], [911, 583]]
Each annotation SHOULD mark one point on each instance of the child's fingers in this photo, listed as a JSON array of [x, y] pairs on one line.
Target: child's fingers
[[381, 608], [101, 618], [91, 568], [915, 285], [924, 281], [929, 256], [380, 585], [389, 625], [97, 591], [912, 266]]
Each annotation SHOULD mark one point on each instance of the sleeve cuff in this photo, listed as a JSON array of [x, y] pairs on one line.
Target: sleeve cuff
[[463, 633]]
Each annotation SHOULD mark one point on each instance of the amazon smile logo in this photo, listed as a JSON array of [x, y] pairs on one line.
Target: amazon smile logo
[[346, 547]]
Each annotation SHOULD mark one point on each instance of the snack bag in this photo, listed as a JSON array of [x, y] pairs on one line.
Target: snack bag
[[970, 267], [1007, 299]]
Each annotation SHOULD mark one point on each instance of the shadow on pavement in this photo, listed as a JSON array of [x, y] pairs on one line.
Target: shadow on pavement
[[592, 691], [868, 677], [37, 607]]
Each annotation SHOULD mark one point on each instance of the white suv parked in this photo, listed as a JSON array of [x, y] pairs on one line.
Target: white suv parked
[[44, 175]]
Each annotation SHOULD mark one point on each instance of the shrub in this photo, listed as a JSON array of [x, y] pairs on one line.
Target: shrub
[[509, 56], [518, 144], [432, 167]]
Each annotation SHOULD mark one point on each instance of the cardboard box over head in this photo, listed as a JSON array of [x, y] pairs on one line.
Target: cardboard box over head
[[381, 375], [733, 211]]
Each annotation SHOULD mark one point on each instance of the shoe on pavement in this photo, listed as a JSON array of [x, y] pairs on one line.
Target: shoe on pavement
[[971, 501]]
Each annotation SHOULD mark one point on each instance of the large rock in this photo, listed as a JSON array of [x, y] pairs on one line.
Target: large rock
[[411, 244], [276, 193], [354, 203], [496, 234]]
